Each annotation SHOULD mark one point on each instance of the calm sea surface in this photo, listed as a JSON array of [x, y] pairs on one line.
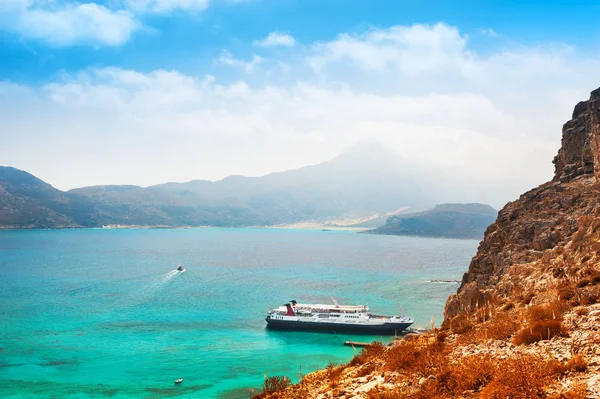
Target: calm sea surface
[[99, 313]]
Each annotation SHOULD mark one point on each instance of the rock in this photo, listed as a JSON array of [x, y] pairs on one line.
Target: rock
[[541, 219]]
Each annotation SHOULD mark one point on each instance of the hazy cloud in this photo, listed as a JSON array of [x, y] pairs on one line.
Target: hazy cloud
[[247, 66], [165, 6], [488, 32], [276, 39]]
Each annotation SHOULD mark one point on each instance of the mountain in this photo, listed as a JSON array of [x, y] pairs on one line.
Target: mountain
[[28, 202], [445, 220], [364, 181], [524, 322]]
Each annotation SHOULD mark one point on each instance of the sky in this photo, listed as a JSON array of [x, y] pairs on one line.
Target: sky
[[471, 95]]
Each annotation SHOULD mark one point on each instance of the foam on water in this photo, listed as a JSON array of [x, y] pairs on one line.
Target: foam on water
[[167, 277], [149, 290]]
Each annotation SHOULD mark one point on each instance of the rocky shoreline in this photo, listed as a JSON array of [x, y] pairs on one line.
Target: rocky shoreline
[[374, 379]]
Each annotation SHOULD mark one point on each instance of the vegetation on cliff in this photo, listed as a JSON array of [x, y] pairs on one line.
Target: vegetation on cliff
[[445, 220], [525, 322]]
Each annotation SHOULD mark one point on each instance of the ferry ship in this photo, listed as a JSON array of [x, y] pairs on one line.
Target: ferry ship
[[336, 318]]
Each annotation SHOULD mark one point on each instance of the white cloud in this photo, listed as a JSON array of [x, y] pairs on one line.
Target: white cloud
[[276, 39], [410, 50], [165, 6], [488, 32], [69, 23], [471, 126], [247, 66]]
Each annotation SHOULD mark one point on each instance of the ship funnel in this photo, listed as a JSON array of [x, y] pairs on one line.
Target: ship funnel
[[290, 310]]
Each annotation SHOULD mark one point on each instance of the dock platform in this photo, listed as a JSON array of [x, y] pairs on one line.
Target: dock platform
[[357, 344]]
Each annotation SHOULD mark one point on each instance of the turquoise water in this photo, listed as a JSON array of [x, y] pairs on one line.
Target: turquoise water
[[99, 313]]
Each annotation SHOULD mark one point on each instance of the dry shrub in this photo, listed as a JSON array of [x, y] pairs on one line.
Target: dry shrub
[[583, 283], [577, 391], [366, 370], [300, 391], [566, 293], [558, 272], [519, 377], [384, 393], [429, 389], [433, 358], [501, 326], [548, 311], [403, 355], [275, 384], [369, 352], [441, 336], [506, 307], [576, 363], [539, 331], [472, 373], [333, 374], [461, 324], [582, 312], [418, 355], [589, 298], [526, 300]]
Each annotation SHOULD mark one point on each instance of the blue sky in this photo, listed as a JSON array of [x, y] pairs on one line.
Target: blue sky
[[188, 39], [147, 91]]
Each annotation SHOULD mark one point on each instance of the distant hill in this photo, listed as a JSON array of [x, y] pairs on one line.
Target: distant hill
[[364, 181], [445, 220], [28, 202]]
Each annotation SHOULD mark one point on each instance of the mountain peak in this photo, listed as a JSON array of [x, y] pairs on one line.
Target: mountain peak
[[366, 146], [368, 152], [11, 175]]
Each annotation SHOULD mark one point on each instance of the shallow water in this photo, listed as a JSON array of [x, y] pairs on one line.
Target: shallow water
[[102, 313]]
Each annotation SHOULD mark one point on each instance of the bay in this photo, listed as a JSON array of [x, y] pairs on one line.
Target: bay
[[99, 313]]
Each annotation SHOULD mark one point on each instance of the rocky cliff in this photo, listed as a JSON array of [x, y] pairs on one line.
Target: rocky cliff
[[525, 322], [538, 229]]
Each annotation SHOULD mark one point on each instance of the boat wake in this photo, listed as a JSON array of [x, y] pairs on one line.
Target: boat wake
[[150, 289], [169, 276]]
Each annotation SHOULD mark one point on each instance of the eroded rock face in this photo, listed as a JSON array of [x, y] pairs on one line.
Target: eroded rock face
[[580, 150], [541, 219]]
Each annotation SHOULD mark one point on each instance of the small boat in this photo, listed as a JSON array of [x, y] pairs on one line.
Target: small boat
[[180, 268], [179, 381]]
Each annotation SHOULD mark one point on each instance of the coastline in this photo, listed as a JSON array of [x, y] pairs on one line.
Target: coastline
[[307, 226]]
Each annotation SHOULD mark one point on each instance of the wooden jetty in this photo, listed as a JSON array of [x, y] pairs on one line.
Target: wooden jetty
[[357, 344]]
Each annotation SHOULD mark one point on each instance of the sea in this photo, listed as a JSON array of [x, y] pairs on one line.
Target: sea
[[102, 313]]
